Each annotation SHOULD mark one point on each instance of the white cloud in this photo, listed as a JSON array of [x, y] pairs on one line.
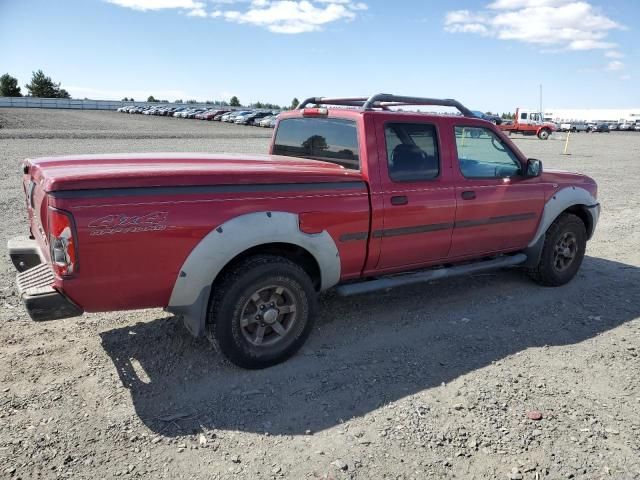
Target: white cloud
[[513, 4], [288, 16], [197, 12], [572, 25], [191, 7], [615, 65], [279, 16], [614, 54]]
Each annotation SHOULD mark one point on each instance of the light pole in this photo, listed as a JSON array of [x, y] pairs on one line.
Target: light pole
[[541, 111]]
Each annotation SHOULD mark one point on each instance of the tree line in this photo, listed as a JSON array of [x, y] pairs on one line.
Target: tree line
[[43, 86], [233, 102]]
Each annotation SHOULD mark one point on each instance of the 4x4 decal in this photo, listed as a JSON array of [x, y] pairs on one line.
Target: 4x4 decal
[[121, 223]]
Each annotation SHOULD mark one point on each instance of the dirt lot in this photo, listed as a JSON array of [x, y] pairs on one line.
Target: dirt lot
[[432, 381]]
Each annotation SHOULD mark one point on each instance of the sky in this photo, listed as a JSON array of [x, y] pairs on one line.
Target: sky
[[491, 55]]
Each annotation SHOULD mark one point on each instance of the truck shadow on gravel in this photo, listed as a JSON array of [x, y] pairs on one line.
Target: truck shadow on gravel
[[366, 351]]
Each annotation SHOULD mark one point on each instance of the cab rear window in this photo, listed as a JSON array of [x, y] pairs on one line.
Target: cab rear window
[[329, 139]]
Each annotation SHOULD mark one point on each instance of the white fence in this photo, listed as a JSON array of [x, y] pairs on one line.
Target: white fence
[[34, 102]]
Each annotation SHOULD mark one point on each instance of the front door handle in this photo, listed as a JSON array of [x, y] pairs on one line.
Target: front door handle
[[468, 195], [399, 200]]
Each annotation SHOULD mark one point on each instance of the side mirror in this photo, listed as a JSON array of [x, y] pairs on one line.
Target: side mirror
[[534, 167]]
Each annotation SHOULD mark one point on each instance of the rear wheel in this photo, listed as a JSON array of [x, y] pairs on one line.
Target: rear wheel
[[262, 311], [564, 247]]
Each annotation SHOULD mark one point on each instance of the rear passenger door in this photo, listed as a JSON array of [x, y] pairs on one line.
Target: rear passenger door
[[418, 195]]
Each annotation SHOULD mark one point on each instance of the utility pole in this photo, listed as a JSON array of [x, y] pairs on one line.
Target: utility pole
[[541, 111]]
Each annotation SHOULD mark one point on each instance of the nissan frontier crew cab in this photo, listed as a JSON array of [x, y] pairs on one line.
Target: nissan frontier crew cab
[[354, 195]]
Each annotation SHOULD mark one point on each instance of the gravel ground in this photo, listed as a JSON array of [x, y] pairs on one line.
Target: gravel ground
[[431, 381]]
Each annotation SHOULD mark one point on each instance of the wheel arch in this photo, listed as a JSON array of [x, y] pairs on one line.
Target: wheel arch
[[290, 251], [575, 200], [582, 212], [243, 236]]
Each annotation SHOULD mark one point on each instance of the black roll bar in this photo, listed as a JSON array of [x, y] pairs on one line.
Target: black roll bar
[[386, 100]]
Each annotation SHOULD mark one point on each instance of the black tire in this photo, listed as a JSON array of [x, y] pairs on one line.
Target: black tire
[[544, 134], [233, 294], [548, 271]]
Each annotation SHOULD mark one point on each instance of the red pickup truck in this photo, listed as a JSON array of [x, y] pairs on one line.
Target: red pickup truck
[[359, 197]]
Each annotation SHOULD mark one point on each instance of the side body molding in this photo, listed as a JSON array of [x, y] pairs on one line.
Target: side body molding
[[558, 203], [190, 295]]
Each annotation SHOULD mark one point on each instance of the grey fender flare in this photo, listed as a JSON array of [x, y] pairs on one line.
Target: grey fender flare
[[558, 203], [190, 295]]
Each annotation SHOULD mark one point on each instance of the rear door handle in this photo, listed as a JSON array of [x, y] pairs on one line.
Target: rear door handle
[[399, 200], [468, 195]]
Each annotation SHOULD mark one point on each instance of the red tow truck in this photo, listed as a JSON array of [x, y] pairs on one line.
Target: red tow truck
[[358, 199], [529, 122]]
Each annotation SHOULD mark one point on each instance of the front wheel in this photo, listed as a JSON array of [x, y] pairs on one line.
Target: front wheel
[[544, 134], [564, 247], [261, 311]]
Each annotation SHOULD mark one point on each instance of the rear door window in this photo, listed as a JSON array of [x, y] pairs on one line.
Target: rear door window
[[412, 152], [329, 139]]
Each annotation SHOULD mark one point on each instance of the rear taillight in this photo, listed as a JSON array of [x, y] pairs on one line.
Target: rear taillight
[[62, 242]]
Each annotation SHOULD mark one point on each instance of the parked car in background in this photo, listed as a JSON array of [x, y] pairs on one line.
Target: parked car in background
[[565, 127], [198, 116], [174, 111], [185, 113], [579, 127], [211, 114], [625, 126], [600, 128], [255, 121], [240, 119], [250, 118], [613, 126], [188, 112], [233, 115], [636, 127], [264, 122], [195, 112], [495, 119]]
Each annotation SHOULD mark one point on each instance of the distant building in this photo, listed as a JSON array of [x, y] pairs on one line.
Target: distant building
[[608, 115]]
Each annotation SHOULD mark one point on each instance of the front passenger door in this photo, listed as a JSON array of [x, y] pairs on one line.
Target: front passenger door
[[498, 208]]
